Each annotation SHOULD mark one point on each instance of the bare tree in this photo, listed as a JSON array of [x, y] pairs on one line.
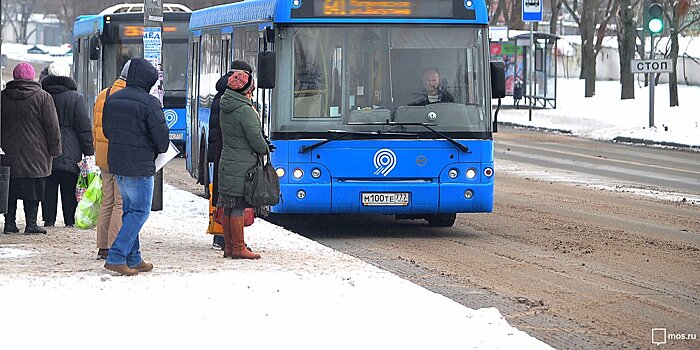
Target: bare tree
[[17, 14], [555, 6], [592, 19], [677, 16], [626, 40], [507, 12]]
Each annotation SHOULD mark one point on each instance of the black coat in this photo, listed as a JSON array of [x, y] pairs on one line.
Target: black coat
[[134, 124], [76, 128], [214, 141]]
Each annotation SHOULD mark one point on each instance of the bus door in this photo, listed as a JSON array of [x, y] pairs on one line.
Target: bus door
[[192, 141]]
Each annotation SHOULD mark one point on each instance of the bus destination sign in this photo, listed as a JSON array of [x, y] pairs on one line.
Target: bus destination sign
[[374, 8]]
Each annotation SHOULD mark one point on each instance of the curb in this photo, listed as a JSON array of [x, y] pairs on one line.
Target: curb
[[618, 139]]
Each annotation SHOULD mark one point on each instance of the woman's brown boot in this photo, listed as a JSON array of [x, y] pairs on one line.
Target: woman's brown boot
[[240, 251], [228, 237]]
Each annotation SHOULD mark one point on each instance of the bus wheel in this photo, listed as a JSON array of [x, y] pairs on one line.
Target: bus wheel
[[442, 220]]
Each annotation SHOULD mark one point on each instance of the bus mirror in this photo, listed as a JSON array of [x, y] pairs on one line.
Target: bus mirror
[[269, 34], [95, 46], [498, 79], [266, 70]]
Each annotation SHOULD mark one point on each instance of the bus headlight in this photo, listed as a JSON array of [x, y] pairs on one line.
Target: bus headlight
[[296, 3], [471, 173], [298, 173], [488, 172], [468, 194], [316, 173], [453, 173], [280, 172], [301, 194]]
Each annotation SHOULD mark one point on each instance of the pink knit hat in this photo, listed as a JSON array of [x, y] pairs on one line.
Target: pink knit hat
[[240, 81], [23, 71]]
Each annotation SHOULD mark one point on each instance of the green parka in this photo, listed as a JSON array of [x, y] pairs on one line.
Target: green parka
[[242, 140]]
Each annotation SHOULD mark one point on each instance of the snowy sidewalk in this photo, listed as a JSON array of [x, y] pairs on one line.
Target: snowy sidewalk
[[606, 117], [300, 294]]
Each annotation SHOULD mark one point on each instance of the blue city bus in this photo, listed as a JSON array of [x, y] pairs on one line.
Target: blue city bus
[[342, 95], [103, 43]]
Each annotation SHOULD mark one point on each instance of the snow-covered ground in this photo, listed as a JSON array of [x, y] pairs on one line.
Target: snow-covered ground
[[299, 295], [606, 117], [18, 52]]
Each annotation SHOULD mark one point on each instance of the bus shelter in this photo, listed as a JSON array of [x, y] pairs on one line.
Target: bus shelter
[[515, 52]]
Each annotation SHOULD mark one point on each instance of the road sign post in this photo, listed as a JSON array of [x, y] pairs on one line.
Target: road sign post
[[653, 66], [153, 53], [532, 12]]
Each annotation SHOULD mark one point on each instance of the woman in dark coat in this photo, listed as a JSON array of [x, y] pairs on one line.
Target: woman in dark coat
[[243, 144], [76, 139], [214, 144], [30, 137]]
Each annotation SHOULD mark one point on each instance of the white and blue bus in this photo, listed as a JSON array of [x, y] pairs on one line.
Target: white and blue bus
[[342, 97], [103, 43]]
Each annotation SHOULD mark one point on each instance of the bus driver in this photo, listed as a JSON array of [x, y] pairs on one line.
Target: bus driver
[[433, 91]]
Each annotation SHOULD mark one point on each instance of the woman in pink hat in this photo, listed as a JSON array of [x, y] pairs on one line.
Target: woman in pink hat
[[30, 138]]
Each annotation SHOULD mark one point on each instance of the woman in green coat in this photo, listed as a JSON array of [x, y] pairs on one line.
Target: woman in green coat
[[243, 145]]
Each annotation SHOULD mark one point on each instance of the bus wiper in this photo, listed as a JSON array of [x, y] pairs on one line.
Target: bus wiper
[[343, 133], [461, 147]]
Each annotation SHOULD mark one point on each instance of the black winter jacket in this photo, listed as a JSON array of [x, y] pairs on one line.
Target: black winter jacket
[[134, 124], [76, 128], [214, 145]]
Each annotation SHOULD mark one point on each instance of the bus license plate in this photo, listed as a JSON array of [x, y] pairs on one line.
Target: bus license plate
[[372, 199]]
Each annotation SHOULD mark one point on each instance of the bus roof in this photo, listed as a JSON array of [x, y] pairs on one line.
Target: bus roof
[[280, 11]]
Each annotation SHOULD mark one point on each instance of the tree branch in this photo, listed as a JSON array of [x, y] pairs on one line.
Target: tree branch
[[577, 19]]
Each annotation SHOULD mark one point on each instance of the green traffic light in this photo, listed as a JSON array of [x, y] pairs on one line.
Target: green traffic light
[[656, 25]]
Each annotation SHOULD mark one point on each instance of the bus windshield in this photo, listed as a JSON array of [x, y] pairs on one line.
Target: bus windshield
[[174, 57], [343, 77]]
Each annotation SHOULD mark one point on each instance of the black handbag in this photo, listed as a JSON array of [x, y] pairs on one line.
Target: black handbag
[[262, 185]]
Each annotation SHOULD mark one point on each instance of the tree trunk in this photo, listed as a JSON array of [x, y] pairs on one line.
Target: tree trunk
[[588, 55], [554, 21], [673, 76], [626, 38]]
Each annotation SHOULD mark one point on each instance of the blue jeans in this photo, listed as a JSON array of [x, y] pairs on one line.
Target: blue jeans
[[137, 194]]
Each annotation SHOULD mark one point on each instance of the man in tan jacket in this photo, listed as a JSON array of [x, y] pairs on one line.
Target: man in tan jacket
[[110, 218]]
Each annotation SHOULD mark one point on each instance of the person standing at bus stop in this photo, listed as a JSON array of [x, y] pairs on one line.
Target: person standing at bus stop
[[30, 137], [76, 141], [109, 220], [215, 144], [134, 123], [243, 144]]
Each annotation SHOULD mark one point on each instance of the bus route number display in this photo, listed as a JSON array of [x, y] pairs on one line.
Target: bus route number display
[[372, 8]]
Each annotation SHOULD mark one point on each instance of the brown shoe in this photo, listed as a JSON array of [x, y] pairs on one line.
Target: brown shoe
[[143, 266], [122, 269]]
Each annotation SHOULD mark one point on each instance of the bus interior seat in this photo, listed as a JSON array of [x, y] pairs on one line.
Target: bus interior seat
[[308, 106]]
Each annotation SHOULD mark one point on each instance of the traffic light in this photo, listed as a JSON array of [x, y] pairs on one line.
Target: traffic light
[[655, 19]]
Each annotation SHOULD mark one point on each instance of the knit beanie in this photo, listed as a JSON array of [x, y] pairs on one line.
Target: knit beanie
[[23, 71], [240, 81], [241, 65], [125, 71], [59, 69]]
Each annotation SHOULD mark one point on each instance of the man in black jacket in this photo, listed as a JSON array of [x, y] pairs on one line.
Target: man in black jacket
[[134, 124], [76, 141]]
